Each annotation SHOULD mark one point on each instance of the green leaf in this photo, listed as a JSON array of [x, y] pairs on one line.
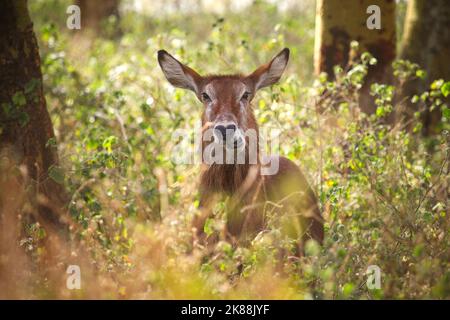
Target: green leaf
[[23, 119], [380, 111], [437, 84], [109, 142], [56, 174], [31, 85], [445, 89], [19, 99], [348, 289], [418, 250], [51, 142], [446, 113], [421, 74], [208, 227], [7, 108]]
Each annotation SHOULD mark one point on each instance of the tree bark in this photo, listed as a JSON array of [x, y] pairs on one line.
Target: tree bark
[[27, 140], [94, 12], [426, 41], [340, 22]]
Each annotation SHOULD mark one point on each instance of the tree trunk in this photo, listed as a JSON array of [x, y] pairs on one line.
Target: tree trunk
[[94, 12], [426, 41], [340, 22], [27, 141]]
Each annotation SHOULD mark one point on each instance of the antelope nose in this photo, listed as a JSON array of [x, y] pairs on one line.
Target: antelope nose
[[222, 131]]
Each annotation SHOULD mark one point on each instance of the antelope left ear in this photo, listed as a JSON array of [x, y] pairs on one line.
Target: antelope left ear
[[270, 73]]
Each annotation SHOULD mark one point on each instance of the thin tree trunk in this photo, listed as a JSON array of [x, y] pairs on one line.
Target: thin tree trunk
[[426, 41], [27, 140], [94, 12], [340, 22]]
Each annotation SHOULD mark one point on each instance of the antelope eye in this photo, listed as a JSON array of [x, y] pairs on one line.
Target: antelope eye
[[205, 97], [245, 96]]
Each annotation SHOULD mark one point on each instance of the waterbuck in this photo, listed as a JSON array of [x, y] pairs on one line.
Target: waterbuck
[[257, 188]]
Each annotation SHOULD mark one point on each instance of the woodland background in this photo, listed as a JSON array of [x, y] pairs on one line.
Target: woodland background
[[86, 123]]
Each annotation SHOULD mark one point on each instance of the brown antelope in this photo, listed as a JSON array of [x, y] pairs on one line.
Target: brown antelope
[[253, 197]]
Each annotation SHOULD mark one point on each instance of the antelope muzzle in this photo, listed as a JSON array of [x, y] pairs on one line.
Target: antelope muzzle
[[229, 135]]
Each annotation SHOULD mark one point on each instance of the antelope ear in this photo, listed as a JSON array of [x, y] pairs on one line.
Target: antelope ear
[[270, 73], [178, 74]]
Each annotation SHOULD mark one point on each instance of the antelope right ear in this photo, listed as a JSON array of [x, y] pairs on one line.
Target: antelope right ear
[[269, 73], [178, 74]]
